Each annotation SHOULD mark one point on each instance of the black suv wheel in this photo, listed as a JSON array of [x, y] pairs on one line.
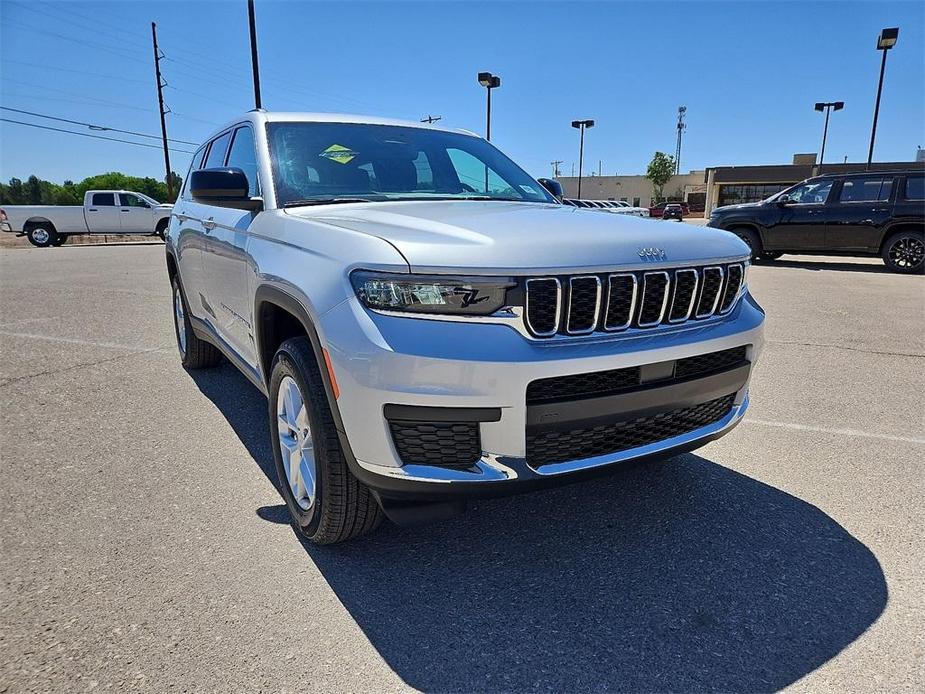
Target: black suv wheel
[[751, 238], [904, 252]]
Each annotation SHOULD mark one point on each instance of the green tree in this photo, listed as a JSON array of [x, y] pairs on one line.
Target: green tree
[[36, 191], [660, 171]]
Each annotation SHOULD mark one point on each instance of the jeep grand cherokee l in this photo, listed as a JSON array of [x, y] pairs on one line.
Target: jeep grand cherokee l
[[878, 214], [429, 324]]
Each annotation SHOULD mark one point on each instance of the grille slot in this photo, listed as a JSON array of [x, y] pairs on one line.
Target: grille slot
[[621, 299], [709, 294], [586, 385], [546, 447], [733, 285], [685, 291], [544, 304], [583, 304], [655, 286], [447, 444]]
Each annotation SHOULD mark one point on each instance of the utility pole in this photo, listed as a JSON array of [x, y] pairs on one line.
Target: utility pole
[[681, 126], [555, 167], [254, 64], [600, 166], [431, 119], [160, 103]]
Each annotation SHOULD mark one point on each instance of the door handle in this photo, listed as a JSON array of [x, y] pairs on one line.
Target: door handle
[[126, 210], [209, 224], [92, 209], [181, 217]]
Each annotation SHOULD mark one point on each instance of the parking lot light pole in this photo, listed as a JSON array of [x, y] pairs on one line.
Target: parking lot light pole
[[828, 107], [489, 81], [581, 125], [885, 42]]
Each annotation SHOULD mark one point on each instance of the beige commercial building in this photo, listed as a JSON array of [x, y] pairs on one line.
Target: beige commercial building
[[637, 190]]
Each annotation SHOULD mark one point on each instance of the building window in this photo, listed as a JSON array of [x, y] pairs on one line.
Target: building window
[[735, 194], [636, 201]]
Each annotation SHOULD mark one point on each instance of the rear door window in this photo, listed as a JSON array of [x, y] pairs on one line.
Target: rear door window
[[104, 200], [872, 189]]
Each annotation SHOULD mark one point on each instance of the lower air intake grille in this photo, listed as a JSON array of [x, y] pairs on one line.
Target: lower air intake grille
[[547, 447], [710, 363], [448, 444]]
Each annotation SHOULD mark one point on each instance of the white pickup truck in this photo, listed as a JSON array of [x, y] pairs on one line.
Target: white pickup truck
[[103, 212]]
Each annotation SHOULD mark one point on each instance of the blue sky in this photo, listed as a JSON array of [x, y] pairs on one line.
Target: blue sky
[[748, 72]]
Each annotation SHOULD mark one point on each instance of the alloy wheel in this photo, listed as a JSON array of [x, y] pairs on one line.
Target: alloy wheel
[[907, 252], [295, 443]]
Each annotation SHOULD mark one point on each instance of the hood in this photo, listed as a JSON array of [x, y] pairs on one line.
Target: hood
[[733, 208], [483, 237]]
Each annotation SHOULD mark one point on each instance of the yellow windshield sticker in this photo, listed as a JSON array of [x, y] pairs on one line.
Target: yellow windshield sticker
[[338, 153]]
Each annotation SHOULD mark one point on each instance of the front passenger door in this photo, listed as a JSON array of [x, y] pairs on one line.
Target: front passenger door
[[224, 257], [802, 222], [135, 215]]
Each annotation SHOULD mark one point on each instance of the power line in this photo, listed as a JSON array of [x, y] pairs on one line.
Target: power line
[[123, 78], [94, 126], [97, 137]]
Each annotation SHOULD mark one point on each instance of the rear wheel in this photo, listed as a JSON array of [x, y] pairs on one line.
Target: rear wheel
[[60, 240], [751, 238], [326, 502], [771, 255], [194, 353], [904, 252], [161, 230], [41, 235]]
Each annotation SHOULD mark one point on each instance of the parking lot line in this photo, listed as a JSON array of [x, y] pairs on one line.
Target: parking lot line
[[77, 341], [838, 432]]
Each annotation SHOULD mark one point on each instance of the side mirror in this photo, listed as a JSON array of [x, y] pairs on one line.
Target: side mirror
[[785, 200], [553, 186], [223, 188]]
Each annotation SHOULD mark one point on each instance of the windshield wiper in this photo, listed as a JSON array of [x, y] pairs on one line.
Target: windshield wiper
[[327, 201]]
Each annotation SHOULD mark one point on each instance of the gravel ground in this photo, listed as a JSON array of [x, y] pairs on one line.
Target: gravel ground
[[145, 547]]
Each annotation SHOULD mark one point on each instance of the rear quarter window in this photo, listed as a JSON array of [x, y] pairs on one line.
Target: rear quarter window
[[915, 188]]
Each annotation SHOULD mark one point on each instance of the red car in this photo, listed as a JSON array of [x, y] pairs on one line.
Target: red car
[[657, 210]]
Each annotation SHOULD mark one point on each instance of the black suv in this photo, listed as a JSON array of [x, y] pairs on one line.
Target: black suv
[[840, 214]]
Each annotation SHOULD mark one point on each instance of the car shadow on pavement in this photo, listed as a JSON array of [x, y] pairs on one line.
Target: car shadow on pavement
[[840, 265], [682, 575]]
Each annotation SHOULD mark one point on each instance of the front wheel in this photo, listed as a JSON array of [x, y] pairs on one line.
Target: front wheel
[[42, 235], [771, 255], [60, 240], [326, 502], [904, 252], [751, 239]]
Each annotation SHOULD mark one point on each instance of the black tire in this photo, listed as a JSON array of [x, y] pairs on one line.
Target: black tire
[[41, 234], [771, 255], [161, 231], [194, 353], [60, 240], [343, 507], [750, 236], [904, 252]]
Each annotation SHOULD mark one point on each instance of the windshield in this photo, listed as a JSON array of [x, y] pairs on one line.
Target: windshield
[[329, 162]]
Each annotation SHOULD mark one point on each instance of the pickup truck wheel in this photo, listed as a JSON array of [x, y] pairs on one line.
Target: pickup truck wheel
[[326, 502], [60, 240], [41, 235], [904, 252], [750, 238], [194, 353]]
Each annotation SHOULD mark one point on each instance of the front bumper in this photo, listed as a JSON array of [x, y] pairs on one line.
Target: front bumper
[[382, 361]]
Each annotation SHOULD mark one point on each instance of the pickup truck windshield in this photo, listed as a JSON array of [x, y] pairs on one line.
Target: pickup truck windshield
[[325, 162]]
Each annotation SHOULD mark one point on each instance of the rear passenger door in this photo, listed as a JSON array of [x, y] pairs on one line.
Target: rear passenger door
[[224, 256], [861, 209], [103, 215]]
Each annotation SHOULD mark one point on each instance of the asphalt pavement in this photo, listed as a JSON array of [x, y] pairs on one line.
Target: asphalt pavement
[[144, 545]]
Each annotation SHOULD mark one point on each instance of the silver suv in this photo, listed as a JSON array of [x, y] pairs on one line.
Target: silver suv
[[430, 324]]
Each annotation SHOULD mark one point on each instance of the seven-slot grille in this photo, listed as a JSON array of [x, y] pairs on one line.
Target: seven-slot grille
[[583, 304]]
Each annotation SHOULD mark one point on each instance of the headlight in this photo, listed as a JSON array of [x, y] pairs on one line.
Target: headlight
[[475, 296]]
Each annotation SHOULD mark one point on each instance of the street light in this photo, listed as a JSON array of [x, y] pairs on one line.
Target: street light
[[489, 81], [581, 125], [828, 107], [885, 42]]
